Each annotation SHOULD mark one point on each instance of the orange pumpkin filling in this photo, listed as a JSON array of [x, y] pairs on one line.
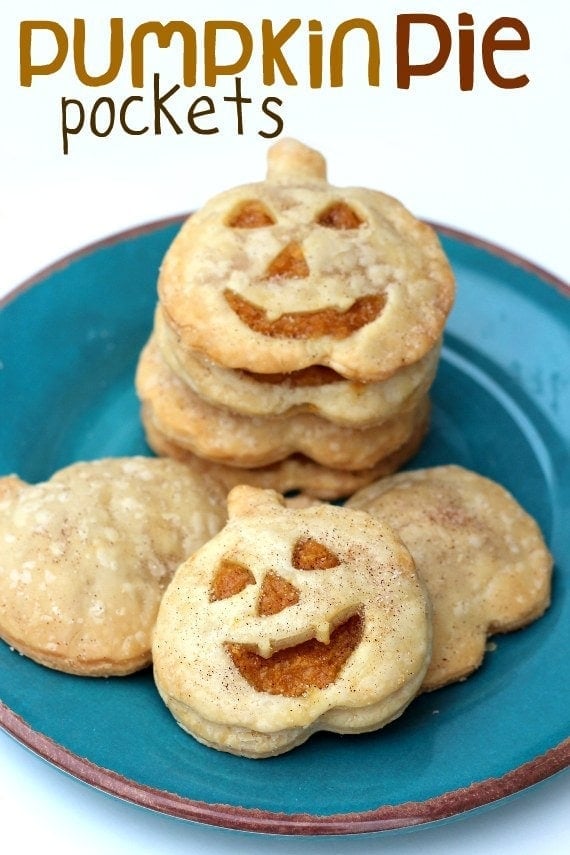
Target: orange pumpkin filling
[[276, 594], [339, 215], [312, 375], [308, 325], [250, 215], [309, 554], [230, 578], [290, 263], [294, 670]]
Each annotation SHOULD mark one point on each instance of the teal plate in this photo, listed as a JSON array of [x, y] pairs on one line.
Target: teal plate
[[69, 343]]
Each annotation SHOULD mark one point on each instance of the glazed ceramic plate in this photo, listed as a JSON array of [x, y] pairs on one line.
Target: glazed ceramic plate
[[69, 342]]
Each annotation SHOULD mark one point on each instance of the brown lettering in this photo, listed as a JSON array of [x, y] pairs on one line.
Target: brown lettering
[[337, 49], [272, 51], [466, 52], [491, 44], [239, 100], [406, 70], [212, 70], [115, 53], [123, 116], [27, 69], [269, 135], [66, 129], [315, 54], [194, 113], [164, 34], [160, 110], [102, 102]]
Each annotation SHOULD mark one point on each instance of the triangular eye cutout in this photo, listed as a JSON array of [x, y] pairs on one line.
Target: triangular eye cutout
[[309, 554], [230, 579], [250, 215], [276, 594], [339, 215], [289, 264]]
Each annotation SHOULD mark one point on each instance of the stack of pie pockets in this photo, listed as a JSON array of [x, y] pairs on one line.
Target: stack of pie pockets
[[297, 333]]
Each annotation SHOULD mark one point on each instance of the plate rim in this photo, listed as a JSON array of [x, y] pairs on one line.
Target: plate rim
[[384, 818], [407, 815]]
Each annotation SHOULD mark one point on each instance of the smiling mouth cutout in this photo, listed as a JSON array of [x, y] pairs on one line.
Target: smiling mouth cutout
[[308, 325], [292, 671]]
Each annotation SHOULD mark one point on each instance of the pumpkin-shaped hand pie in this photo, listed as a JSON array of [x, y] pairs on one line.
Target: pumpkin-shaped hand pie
[[482, 557], [86, 556], [291, 621], [293, 272]]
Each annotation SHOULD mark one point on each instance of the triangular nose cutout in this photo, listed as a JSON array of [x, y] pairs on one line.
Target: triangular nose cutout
[[276, 594], [289, 264]]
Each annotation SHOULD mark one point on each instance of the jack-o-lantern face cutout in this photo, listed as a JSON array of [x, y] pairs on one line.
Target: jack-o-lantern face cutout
[[292, 272], [291, 621], [293, 670]]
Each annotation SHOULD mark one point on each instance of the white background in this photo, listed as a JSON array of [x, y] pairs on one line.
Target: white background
[[490, 162]]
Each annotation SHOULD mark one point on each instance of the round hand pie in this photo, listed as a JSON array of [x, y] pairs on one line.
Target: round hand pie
[[292, 272], [291, 621], [85, 558], [481, 556]]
